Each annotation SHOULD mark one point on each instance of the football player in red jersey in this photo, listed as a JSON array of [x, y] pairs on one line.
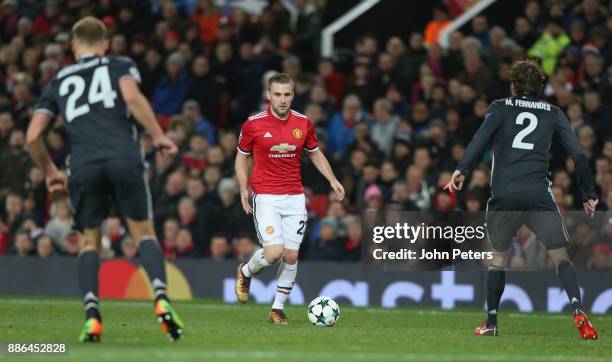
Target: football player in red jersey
[[276, 138]]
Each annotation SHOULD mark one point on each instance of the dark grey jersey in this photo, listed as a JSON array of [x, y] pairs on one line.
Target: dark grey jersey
[[521, 130], [88, 98]]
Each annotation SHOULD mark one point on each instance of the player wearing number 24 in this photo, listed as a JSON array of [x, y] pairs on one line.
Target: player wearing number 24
[[521, 128], [98, 98]]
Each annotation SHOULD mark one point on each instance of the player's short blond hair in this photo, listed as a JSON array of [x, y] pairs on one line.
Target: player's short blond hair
[[89, 31], [280, 78]]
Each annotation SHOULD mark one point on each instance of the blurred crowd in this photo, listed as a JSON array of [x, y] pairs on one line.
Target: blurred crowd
[[393, 115]]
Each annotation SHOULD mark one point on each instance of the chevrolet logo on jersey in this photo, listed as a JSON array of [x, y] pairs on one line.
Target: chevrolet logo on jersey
[[283, 148]]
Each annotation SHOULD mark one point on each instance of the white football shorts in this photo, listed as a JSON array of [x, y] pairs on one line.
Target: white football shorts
[[280, 219]]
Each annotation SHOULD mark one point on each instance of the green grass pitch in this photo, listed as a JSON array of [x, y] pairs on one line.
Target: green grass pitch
[[223, 332]]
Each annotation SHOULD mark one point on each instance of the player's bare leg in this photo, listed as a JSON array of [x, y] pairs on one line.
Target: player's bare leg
[[153, 262], [569, 282], [287, 271], [261, 259], [88, 265], [496, 282]]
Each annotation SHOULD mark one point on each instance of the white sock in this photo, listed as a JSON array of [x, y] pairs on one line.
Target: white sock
[[284, 284], [256, 264]]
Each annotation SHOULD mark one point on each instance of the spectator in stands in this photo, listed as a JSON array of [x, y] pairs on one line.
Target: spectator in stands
[[220, 248], [58, 148], [151, 71], [6, 125], [172, 88], [129, 250], [36, 191], [550, 45], [590, 13], [184, 246], [44, 247], [334, 81], [194, 161], [216, 158], [340, 132], [245, 247], [354, 236], [207, 90], [23, 244], [8, 19], [318, 96], [480, 29], [373, 198], [419, 191], [207, 16], [363, 81], [167, 203], [60, 224], [232, 218], [31, 225], [15, 163], [385, 124], [326, 247], [118, 45], [113, 236], [523, 33], [597, 115], [436, 25], [388, 176], [11, 220], [187, 214], [170, 232], [476, 74], [44, 22]]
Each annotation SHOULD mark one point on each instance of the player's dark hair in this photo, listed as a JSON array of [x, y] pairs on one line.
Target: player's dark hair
[[526, 77], [89, 31], [280, 78]]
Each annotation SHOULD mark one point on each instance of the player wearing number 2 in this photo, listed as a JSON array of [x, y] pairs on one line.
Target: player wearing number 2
[[275, 138], [96, 97], [521, 128]]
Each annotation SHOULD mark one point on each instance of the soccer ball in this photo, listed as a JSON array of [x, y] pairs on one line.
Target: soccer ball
[[323, 312]]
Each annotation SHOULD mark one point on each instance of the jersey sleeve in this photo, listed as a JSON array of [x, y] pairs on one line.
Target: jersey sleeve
[[569, 141], [125, 67], [47, 103], [492, 120], [311, 143], [246, 139]]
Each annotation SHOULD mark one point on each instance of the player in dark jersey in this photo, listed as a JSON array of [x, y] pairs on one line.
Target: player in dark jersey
[[96, 98], [521, 128]]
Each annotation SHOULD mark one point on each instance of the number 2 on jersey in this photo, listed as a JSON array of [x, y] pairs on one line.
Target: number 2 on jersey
[[100, 90], [518, 139]]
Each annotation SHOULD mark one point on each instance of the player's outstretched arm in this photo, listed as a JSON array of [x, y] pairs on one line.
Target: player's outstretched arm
[[320, 161], [56, 180], [242, 174], [142, 111]]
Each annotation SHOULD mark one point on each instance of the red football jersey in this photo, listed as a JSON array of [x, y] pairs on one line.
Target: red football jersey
[[276, 146]]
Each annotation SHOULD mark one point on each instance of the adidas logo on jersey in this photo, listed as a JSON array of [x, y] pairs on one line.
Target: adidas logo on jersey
[[268, 135]]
